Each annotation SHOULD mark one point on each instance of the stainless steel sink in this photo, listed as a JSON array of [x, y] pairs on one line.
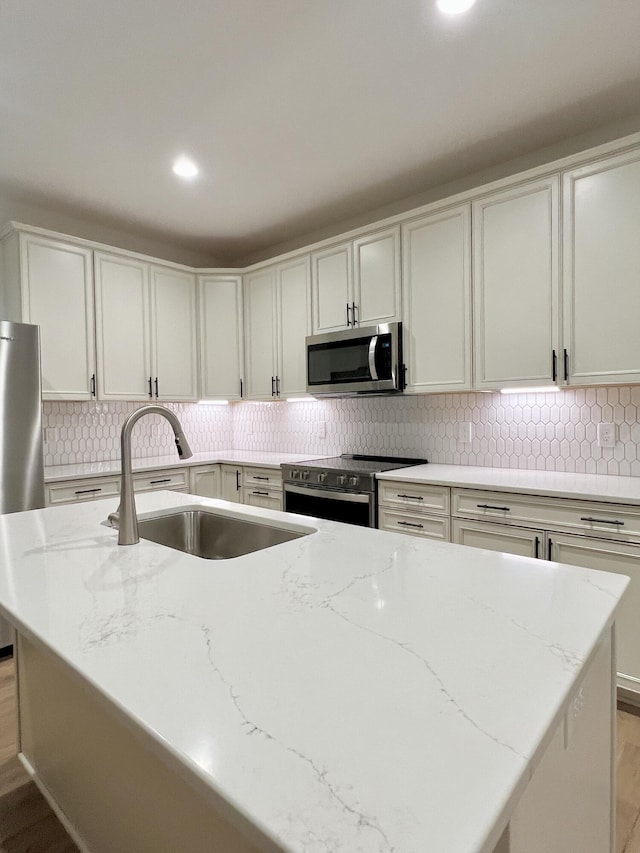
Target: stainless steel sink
[[213, 536]]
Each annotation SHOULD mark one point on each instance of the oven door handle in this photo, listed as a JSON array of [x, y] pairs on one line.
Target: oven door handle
[[373, 343], [328, 494]]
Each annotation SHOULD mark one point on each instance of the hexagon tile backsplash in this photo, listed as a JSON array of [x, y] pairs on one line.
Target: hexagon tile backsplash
[[544, 431]]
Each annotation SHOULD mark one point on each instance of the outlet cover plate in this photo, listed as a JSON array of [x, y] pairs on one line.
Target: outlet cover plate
[[606, 435]]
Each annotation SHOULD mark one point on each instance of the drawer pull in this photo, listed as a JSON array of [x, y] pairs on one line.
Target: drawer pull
[[603, 521], [257, 477], [157, 482], [260, 493], [409, 524], [87, 491], [537, 548], [412, 497], [488, 506]]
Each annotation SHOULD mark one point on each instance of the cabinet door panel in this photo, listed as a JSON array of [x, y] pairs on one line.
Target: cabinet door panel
[[205, 481], [601, 271], [621, 559], [231, 483], [58, 296], [294, 315], [259, 315], [516, 285], [332, 287], [122, 328], [499, 537], [376, 273], [437, 301], [221, 363], [174, 342]]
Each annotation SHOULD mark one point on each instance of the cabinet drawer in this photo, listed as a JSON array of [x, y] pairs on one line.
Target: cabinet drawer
[[416, 524], [418, 496], [264, 478], [267, 498], [174, 480], [505, 538], [73, 491], [616, 521]]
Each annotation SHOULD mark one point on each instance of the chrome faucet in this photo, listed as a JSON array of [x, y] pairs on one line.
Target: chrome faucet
[[126, 518]]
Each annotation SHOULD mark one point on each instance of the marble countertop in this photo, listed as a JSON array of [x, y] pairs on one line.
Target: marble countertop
[[349, 690], [596, 487], [265, 459]]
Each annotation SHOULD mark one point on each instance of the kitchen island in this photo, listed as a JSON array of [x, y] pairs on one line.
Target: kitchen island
[[350, 690]]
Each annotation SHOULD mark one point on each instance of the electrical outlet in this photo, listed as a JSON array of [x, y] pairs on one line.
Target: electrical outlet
[[321, 429], [606, 435]]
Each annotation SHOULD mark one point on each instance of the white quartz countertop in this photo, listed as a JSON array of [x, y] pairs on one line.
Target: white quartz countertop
[[265, 459], [351, 690], [597, 487]]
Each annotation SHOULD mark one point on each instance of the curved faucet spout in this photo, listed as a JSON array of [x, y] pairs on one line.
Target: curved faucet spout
[[127, 517]]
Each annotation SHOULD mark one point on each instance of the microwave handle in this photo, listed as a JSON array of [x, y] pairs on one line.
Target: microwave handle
[[373, 343]]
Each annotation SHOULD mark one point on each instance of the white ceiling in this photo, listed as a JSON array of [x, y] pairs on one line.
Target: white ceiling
[[299, 113]]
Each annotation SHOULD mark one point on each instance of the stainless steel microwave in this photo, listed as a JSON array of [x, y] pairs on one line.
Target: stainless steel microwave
[[365, 360]]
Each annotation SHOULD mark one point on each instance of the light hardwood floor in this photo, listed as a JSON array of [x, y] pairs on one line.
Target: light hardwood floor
[[27, 824]]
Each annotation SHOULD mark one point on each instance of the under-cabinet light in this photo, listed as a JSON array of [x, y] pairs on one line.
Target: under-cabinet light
[[213, 402], [301, 400], [185, 168], [455, 7], [541, 389]]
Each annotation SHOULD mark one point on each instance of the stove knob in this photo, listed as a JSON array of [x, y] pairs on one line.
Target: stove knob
[[353, 481], [304, 475], [322, 477], [295, 474], [342, 479]]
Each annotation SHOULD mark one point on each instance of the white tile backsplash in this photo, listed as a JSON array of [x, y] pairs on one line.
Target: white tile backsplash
[[547, 431]]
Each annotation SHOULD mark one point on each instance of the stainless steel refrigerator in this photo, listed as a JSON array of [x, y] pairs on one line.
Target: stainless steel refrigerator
[[21, 461]]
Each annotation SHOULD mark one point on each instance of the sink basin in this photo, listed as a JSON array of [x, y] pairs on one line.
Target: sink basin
[[213, 536]]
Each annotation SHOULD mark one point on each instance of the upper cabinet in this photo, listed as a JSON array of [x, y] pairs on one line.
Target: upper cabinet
[[436, 257], [221, 337], [357, 283], [50, 283], [146, 330], [601, 271], [277, 320], [516, 272]]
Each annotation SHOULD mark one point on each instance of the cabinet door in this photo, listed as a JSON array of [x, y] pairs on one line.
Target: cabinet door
[[221, 362], [499, 537], [174, 334], [622, 559], [260, 324], [437, 301], [515, 265], [259, 497], [231, 483], [57, 295], [205, 481], [294, 324], [376, 274], [601, 271], [122, 328], [332, 277]]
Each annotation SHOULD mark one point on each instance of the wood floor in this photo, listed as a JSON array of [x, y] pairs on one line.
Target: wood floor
[[27, 824]]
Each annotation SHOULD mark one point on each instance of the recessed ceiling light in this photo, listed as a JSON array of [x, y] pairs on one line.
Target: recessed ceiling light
[[455, 7], [185, 168]]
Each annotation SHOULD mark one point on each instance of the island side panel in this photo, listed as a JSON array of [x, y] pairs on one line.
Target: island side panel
[[113, 790], [569, 803]]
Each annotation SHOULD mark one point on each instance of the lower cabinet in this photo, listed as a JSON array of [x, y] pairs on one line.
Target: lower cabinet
[[231, 483], [415, 523], [174, 479], [204, 480], [262, 487], [77, 491], [263, 498], [414, 508], [498, 537]]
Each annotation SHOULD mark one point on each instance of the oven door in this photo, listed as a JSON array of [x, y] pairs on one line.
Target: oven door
[[332, 504]]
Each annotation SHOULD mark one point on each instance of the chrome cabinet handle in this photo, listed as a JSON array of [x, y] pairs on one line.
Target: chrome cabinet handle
[[412, 497], [157, 482], [488, 506], [602, 521], [87, 491], [409, 524]]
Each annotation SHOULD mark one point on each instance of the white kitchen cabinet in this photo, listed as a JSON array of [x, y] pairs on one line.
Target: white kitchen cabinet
[[436, 252], [499, 537], [293, 315], [173, 479], [205, 480], [516, 279], [357, 283], [260, 333], [418, 509], [231, 483], [174, 334], [221, 337], [78, 491], [50, 283], [123, 333], [263, 497], [601, 271]]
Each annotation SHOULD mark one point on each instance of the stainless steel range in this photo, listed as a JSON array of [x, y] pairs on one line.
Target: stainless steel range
[[343, 488]]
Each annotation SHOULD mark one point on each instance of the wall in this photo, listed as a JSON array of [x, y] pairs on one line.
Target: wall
[[551, 431]]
